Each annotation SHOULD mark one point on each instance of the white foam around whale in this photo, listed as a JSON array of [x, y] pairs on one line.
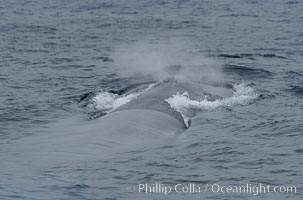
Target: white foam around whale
[[108, 102], [243, 95]]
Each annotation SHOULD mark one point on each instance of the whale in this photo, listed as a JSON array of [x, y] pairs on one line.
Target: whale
[[149, 116], [144, 122], [75, 149]]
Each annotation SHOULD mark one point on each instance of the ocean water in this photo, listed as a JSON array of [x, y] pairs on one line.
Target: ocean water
[[67, 64]]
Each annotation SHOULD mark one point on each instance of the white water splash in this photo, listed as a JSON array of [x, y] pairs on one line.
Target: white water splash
[[108, 102], [243, 95]]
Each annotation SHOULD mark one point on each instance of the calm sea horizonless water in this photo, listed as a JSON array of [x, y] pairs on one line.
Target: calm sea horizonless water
[[61, 63]]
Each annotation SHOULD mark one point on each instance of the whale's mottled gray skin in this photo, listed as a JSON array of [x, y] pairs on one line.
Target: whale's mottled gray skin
[[145, 121], [141, 121], [154, 99]]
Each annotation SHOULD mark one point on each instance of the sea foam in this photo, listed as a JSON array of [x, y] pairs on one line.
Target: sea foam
[[243, 95], [108, 102]]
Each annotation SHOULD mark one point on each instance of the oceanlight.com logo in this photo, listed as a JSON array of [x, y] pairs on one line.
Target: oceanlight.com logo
[[193, 188]]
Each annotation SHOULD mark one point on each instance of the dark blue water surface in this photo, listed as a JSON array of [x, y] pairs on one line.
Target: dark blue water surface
[[56, 56]]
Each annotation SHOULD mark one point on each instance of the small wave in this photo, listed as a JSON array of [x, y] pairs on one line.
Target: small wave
[[294, 74], [244, 94], [251, 55], [107, 102], [104, 58], [246, 71], [296, 90]]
